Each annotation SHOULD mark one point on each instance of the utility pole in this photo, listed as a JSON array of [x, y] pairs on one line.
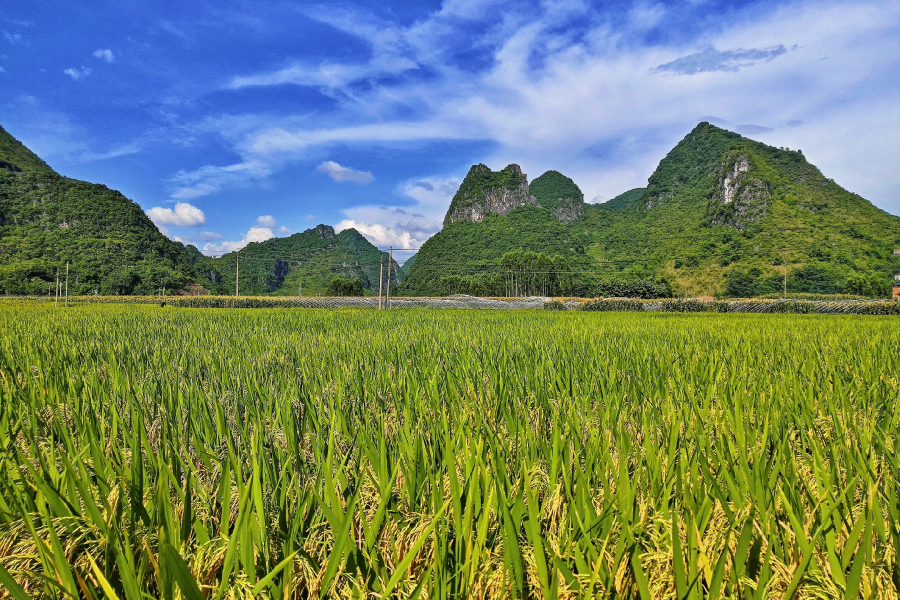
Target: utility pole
[[237, 275], [380, 281], [390, 260], [785, 279], [300, 289], [56, 302], [67, 284]]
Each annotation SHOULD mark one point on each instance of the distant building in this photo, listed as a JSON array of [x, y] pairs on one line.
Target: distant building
[[896, 290]]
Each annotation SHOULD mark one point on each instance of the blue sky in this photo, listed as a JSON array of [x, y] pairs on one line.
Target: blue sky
[[231, 122]]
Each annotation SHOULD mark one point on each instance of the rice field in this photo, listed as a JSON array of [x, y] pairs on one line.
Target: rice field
[[151, 452]]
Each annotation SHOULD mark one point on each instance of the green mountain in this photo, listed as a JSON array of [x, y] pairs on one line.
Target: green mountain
[[46, 220], [113, 248], [721, 215], [404, 269], [303, 262], [559, 195], [485, 192], [624, 200]]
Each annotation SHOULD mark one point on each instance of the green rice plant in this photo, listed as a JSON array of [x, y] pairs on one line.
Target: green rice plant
[[555, 305], [151, 452], [612, 305]]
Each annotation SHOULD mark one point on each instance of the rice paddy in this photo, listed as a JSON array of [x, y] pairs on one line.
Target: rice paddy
[[278, 453]]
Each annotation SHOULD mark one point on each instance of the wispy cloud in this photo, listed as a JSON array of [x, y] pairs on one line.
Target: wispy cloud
[[77, 74], [105, 54], [13, 38], [715, 60], [568, 87], [341, 173], [209, 179], [184, 215]]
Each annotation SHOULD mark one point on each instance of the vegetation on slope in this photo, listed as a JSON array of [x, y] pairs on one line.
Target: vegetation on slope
[[466, 249], [721, 215], [681, 226], [47, 220], [624, 200], [559, 195], [304, 262]]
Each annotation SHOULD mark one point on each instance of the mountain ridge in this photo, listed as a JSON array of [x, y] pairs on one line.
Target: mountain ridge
[[113, 248], [720, 215]]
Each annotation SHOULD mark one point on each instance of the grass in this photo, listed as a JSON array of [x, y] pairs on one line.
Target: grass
[[190, 453]]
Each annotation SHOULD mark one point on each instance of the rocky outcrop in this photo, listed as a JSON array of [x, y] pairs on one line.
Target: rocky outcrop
[[326, 232], [483, 192], [568, 209], [732, 178], [741, 198]]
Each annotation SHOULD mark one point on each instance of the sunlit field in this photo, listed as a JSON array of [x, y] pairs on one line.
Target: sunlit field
[[278, 453]]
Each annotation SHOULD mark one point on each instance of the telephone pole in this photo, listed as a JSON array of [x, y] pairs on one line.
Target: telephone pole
[[67, 284], [237, 275], [390, 260], [56, 302], [785, 280], [380, 281]]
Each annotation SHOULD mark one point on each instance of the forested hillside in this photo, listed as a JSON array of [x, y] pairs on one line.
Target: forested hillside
[[47, 220], [721, 215], [113, 248], [306, 262]]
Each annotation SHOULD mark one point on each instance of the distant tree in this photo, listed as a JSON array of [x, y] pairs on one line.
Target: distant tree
[[868, 284], [345, 286], [740, 283]]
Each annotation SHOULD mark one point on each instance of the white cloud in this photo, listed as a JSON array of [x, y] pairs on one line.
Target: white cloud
[[105, 54], [254, 234], [2, 70], [184, 215], [77, 74], [341, 173], [269, 221], [309, 218], [210, 236], [404, 226], [600, 107]]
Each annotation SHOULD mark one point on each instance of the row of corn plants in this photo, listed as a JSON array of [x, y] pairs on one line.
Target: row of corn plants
[[187, 453]]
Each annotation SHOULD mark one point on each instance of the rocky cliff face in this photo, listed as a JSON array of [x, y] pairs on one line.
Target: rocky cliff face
[[484, 191], [741, 198], [326, 232]]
